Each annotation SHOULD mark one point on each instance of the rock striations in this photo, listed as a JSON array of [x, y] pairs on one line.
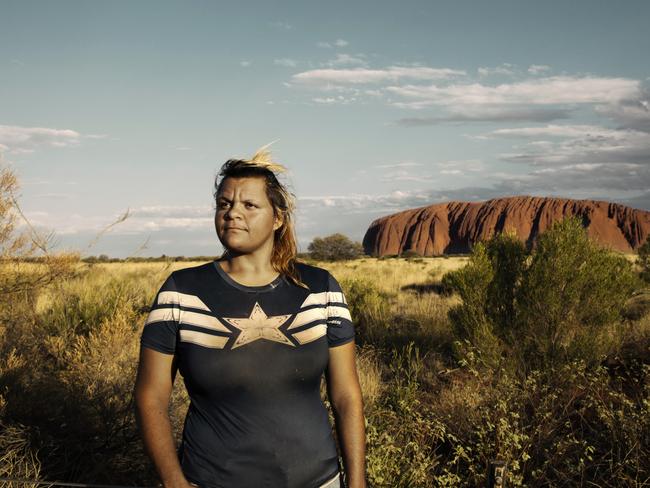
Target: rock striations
[[452, 227]]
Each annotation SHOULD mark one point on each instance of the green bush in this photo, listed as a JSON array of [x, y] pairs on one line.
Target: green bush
[[368, 307], [531, 310], [410, 254], [336, 247], [572, 291], [643, 260]]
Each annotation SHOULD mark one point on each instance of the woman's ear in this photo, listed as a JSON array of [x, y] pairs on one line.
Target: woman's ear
[[278, 220]]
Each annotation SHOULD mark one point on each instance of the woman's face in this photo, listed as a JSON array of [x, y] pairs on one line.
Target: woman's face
[[244, 220]]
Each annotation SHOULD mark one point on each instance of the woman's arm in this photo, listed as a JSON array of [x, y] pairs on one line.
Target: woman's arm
[[345, 395], [153, 387]]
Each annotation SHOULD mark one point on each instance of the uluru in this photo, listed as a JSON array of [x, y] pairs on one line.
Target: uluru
[[452, 227]]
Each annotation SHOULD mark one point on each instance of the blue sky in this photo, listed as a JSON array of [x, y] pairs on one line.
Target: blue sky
[[375, 107]]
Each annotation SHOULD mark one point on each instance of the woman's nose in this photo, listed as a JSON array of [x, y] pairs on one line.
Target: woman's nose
[[233, 212]]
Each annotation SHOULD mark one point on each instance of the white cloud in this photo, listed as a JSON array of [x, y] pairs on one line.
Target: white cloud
[[364, 76], [535, 69], [339, 99], [337, 43], [373, 205], [506, 69], [406, 175], [405, 164], [578, 145], [324, 100], [19, 140], [152, 218], [483, 113], [286, 62], [174, 223], [460, 167], [171, 211], [244, 63], [559, 131], [346, 60], [543, 91], [364, 203], [631, 114], [611, 179], [535, 99]]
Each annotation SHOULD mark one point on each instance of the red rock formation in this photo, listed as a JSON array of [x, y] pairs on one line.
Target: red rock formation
[[451, 227]]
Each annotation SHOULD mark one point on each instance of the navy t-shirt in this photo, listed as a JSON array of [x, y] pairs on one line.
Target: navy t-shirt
[[252, 358]]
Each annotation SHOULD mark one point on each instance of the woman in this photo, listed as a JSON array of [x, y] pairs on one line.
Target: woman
[[251, 334]]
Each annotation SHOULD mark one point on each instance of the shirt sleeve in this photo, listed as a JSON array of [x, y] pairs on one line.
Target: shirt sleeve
[[161, 327], [340, 329]]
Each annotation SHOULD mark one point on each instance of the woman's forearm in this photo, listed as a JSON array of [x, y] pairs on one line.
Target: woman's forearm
[[156, 430], [351, 432]]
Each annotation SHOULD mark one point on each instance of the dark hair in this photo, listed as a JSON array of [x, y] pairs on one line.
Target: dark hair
[[283, 258]]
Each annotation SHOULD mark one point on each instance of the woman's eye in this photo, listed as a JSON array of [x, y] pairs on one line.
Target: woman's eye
[[223, 205], [249, 205]]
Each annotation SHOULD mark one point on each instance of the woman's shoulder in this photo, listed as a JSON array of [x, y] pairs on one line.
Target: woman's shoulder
[[191, 274], [310, 269], [313, 276]]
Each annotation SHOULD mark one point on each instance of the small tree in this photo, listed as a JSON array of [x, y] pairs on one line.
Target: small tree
[[335, 247], [18, 246], [572, 290]]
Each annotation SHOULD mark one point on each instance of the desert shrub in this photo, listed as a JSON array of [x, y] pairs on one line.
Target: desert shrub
[[558, 303], [74, 390], [411, 254], [370, 368], [571, 292], [20, 284], [335, 247], [470, 319], [17, 459], [402, 434], [73, 307], [68, 340], [643, 260], [389, 256], [369, 309], [571, 426], [363, 297]]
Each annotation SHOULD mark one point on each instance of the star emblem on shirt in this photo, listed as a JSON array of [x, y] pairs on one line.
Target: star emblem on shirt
[[259, 326]]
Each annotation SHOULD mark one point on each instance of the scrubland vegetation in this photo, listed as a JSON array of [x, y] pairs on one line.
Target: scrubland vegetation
[[539, 359]]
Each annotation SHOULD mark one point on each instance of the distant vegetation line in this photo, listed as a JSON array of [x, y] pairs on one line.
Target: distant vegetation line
[[164, 258]]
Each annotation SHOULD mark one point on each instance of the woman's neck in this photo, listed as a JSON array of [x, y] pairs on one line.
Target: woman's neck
[[248, 269]]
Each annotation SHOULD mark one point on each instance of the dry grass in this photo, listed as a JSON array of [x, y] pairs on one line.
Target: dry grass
[[68, 357], [391, 275]]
